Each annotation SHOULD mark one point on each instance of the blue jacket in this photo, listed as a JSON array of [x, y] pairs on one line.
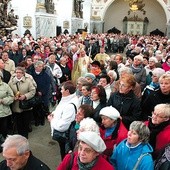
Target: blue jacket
[[125, 157]]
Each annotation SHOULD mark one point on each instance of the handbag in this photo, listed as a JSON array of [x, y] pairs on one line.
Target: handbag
[[27, 104], [62, 136]]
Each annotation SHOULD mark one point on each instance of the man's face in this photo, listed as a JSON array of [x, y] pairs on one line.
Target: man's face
[[15, 161]]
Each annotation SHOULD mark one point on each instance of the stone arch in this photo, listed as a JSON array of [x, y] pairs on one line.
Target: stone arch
[[161, 2]]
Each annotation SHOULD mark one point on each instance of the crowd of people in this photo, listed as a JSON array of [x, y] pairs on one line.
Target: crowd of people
[[106, 96]]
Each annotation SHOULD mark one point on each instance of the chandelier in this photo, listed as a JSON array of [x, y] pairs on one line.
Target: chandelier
[[134, 7]]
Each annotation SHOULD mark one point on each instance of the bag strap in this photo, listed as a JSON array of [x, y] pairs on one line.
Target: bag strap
[[17, 86], [74, 106], [139, 160], [71, 161]]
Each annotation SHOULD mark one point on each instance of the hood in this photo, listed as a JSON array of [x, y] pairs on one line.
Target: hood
[[146, 147]]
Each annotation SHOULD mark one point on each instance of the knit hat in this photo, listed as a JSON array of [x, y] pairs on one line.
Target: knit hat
[[93, 140], [110, 112], [91, 75]]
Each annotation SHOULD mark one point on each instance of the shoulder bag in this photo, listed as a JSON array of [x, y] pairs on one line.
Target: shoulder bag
[[62, 136], [27, 104]]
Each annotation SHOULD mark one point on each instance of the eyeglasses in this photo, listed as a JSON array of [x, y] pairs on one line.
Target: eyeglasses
[[85, 150], [157, 115], [123, 85]]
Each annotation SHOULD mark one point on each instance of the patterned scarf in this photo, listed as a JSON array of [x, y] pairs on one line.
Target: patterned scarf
[[87, 166]]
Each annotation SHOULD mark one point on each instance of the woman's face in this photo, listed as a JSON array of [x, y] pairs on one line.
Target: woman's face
[[133, 138], [155, 79], [165, 86], [79, 85], [137, 62], [79, 115], [158, 117], [107, 122], [86, 153], [94, 95], [124, 88], [85, 92]]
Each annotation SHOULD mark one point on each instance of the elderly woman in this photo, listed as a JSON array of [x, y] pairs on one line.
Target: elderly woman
[[54, 68], [139, 71], [6, 98], [122, 73], [112, 130], [80, 82], [23, 88], [86, 91], [98, 97], [89, 154], [83, 112], [125, 100], [159, 126], [91, 78], [160, 96], [43, 81], [134, 152], [154, 85], [113, 76]]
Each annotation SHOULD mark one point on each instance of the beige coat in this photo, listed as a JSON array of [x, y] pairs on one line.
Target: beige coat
[[7, 97], [26, 86]]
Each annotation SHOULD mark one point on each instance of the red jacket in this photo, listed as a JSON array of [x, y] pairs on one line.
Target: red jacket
[[110, 143], [163, 138], [101, 164]]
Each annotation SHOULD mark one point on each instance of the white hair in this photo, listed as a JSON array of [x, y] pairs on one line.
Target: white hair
[[113, 73], [89, 124], [16, 141], [158, 72]]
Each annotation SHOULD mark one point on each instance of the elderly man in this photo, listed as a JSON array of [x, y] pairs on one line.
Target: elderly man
[[18, 155]]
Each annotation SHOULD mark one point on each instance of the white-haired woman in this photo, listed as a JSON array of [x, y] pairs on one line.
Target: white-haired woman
[[134, 153], [160, 96], [139, 71], [113, 76], [154, 85], [159, 126]]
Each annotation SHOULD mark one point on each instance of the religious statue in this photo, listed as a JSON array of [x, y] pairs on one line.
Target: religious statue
[[50, 7], [78, 8], [8, 21]]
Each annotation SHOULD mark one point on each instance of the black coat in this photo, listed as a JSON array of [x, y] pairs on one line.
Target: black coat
[[6, 76], [32, 164], [128, 105], [151, 101], [96, 116], [17, 58]]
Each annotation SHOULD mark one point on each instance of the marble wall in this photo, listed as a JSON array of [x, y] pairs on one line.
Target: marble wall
[[76, 23], [46, 25]]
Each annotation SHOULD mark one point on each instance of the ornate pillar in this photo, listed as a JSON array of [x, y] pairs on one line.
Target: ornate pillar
[[40, 7]]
